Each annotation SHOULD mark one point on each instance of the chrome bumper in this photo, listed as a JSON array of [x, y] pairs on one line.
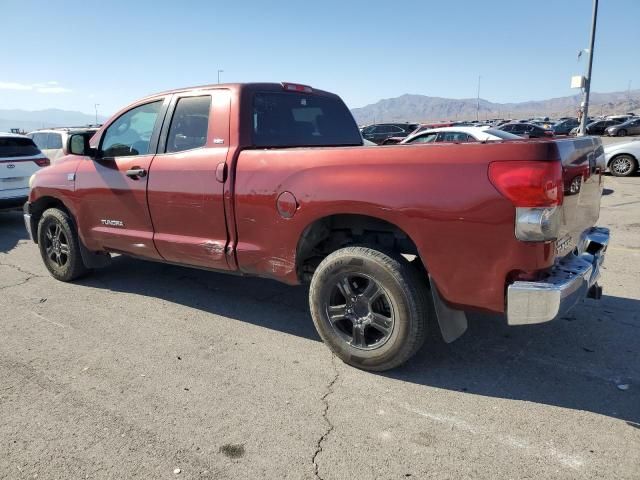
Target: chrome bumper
[[27, 220], [571, 279]]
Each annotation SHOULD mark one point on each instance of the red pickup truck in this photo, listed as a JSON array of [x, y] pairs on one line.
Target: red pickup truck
[[273, 180]]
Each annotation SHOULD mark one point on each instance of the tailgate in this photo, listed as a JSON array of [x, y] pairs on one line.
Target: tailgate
[[582, 160]]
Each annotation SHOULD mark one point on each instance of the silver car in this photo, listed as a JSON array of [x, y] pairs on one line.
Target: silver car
[[623, 158], [630, 127]]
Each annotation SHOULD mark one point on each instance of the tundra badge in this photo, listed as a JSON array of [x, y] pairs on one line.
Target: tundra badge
[[112, 223]]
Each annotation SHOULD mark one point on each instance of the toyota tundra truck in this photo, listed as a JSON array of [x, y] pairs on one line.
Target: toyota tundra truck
[[273, 180]]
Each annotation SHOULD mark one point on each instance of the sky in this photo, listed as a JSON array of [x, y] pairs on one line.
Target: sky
[[74, 54]]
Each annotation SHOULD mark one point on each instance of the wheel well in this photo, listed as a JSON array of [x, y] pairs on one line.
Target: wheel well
[[331, 233], [37, 209]]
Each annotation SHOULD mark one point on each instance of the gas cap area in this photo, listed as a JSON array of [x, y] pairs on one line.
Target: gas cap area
[[286, 204]]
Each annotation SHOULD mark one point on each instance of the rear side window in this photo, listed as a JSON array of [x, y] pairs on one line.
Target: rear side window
[[17, 147], [298, 120], [189, 124], [54, 140]]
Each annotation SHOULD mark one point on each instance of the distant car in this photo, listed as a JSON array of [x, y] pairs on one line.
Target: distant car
[[528, 130], [546, 124], [459, 135], [596, 128], [564, 126], [54, 142], [630, 127], [623, 158], [421, 128], [19, 159], [380, 132]]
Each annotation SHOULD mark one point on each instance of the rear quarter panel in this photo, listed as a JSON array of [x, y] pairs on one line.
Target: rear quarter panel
[[440, 195]]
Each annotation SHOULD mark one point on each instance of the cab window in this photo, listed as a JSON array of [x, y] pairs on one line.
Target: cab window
[[189, 124], [130, 134]]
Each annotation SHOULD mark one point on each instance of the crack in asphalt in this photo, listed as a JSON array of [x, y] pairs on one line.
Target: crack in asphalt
[[330, 426], [30, 275]]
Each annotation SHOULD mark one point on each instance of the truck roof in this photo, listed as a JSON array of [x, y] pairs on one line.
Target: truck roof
[[238, 87]]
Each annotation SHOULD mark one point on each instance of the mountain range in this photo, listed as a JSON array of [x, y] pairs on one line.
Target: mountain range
[[405, 108], [52, 117], [422, 108]]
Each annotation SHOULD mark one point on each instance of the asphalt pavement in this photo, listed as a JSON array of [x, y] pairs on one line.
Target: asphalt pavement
[[151, 371]]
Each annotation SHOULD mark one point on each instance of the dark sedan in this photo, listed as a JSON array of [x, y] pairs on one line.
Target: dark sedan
[[380, 132], [598, 127], [528, 130]]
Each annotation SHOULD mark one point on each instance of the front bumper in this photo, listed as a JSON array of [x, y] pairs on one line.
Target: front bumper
[[570, 280]]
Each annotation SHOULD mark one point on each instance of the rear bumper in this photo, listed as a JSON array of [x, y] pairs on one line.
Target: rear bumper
[[13, 202], [26, 213], [571, 279]]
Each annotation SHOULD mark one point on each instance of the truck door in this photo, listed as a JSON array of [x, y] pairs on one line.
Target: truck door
[[112, 188], [185, 191]]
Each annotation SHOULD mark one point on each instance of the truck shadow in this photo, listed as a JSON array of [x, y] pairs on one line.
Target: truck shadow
[[11, 230], [577, 362]]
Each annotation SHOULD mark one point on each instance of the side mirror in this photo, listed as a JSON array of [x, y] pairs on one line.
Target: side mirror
[[79, 145]]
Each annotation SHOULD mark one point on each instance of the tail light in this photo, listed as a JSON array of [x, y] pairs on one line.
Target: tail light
[[42, 162], [528, 184], [536, 190]]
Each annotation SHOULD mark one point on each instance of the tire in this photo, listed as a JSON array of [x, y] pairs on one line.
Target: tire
[[387, 322], [622, 133], [59, 247], [623, 166]]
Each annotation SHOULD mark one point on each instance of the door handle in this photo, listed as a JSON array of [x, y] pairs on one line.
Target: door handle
[[136, 173]]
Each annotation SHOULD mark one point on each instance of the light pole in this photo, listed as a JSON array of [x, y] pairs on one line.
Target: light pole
[[219, 72], [95, 106], [587, 87], [478, 100]]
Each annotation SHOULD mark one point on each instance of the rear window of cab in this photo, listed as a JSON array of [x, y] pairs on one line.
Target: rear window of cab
[[301, 120]]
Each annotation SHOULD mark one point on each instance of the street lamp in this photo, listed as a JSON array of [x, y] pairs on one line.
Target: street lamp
[[219, 72], [478, 100], [587, 88]]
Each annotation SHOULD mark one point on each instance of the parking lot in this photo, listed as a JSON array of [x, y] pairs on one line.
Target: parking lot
[[145, 370]]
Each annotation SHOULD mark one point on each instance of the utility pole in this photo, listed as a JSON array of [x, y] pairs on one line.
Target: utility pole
[[587, 87], [95, 106], [219, 72], [478, 100]]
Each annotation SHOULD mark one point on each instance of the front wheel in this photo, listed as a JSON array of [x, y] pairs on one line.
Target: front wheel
[[369, 307], [59, 247], [623, 166], [622, 133]]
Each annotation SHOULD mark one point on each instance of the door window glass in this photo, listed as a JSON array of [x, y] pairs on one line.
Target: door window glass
[[131, 133], [189, 124], [426, 138]]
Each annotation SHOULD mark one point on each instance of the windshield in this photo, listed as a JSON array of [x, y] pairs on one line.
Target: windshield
[[302, 120], [501, 134]]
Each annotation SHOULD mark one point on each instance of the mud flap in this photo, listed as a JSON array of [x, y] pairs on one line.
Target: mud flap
[[453, 323]]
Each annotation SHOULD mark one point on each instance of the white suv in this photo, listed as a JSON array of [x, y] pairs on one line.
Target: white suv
[[54, 142], [19, 159]]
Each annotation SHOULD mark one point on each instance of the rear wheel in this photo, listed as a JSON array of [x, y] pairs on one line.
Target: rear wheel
[[623, 165], [369, 307], [59, 247]]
